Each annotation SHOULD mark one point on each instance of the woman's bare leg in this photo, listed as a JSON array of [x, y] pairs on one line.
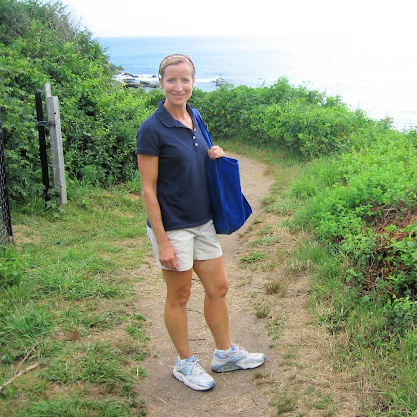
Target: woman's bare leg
[[176, 321], [212, 275]]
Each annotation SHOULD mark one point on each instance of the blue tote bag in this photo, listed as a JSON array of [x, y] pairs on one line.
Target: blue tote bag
[[229, 206]]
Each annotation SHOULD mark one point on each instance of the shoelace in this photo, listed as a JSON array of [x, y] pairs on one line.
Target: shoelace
[[193, 368], [242, 353]]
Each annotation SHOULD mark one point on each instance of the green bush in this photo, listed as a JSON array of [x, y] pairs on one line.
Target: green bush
[[383, 174], [103, 152], [313, 129], [233, 112]]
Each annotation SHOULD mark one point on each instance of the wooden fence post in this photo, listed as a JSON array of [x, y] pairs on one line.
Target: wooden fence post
[[54, 122]]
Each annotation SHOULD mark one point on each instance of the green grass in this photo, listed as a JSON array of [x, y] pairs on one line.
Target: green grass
[[254, 257], [71, 283], [284, 403], [261, 310]]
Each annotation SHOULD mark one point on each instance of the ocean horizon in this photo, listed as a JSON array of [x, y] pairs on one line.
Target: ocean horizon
[[379, 83]]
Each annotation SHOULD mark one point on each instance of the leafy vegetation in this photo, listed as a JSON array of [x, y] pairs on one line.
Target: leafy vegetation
[[356, 193], [40, 44]]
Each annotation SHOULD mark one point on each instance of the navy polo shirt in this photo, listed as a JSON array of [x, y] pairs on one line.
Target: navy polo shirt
[[181, 185]]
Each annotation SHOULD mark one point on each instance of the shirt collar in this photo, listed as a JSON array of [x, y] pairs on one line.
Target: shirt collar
[[165, 117]]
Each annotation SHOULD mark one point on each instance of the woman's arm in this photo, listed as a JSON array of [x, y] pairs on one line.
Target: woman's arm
[[148, 170]]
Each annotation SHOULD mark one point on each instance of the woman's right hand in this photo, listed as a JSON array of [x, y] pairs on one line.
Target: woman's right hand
[[216, 152], [168, 256]]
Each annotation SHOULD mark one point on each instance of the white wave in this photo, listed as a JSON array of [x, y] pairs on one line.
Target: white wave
[[136, 78], [206, 80]]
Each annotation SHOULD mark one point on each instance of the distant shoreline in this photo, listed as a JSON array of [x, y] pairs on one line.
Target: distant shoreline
[[130, 80], [359, 77]]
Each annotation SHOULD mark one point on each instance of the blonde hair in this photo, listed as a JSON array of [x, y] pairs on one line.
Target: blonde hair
[[172, 60]]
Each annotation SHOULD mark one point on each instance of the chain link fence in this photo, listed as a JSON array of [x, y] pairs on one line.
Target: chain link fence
[[6, 233]]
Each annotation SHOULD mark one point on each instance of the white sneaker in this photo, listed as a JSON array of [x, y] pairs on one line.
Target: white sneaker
[[238, 358], [192, 374]]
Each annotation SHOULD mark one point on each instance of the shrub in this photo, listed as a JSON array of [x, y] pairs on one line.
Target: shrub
[[313, 129], [233, 112]]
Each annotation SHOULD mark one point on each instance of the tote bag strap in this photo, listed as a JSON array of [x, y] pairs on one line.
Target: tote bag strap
[[203, 127]]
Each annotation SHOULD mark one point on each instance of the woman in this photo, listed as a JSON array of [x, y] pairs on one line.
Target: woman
[[172, 154]]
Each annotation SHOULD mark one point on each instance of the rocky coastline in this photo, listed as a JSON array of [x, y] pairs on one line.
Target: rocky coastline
[[129, 80]]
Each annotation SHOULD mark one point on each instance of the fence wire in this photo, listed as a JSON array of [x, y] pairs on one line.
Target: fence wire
[[6, 233]]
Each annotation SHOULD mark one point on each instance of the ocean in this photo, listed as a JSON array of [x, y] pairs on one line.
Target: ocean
[[379, 81]]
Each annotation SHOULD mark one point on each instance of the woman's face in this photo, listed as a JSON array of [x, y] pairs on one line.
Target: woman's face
[[178, 82]]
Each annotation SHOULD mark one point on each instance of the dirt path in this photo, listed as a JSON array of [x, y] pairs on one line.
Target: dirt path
[[297, 378]]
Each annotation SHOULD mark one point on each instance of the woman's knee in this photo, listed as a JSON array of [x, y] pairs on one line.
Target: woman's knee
[[219, 290], [179, 295], [178, 286]]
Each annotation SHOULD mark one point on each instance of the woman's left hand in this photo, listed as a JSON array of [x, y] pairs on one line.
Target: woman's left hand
[[216, 152]]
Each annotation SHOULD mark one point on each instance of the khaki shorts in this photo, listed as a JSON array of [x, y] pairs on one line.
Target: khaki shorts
[[195, 243]]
